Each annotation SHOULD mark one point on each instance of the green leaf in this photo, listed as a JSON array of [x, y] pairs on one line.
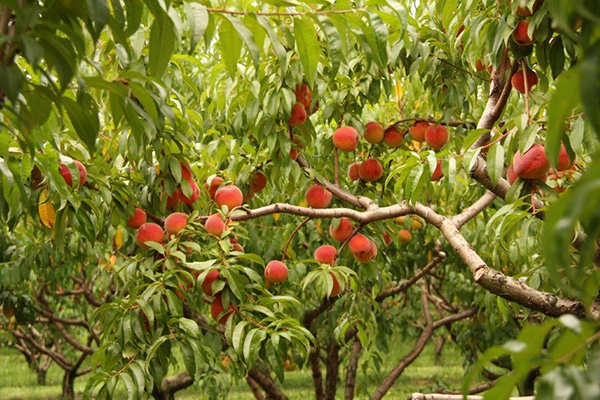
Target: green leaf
[[98, 11], [86, 126], [247, 37], [11, 81], [129, 385], [495, 162], [448, 12], [230, 44], [238, 335], [198, 17], [308, 48], [590, 86], [161, 44], [189, 358]]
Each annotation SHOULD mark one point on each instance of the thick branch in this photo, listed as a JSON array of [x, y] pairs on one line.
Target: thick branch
[[420, 396], [474, 209], [173, 384], [61, 360], [254, 388], [333, 363], [267, 384]]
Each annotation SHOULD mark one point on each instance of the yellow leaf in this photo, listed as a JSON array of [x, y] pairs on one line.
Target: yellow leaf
[[399, 91], [276, 217], [319, 229], [429, 256], [46, 210], [119, 237]]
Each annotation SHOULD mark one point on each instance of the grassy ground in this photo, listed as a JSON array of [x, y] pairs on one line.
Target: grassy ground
[[18, 382]]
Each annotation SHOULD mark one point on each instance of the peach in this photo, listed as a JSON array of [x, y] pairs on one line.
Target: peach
[[416, 224], [365, 258], [336, 289], [518, 80], [215, 225], [318, 197], [298, 116], [436, 136], [346, 138], [370, 170], [258, 181], [303, 95], [276, 272], [195, 194], [208, 281], [533, 164], [526, 11], [174, 199], [374, 132], [480, 66], [511, 175], [238, 247], [212, 185], [175, 223], [520, 35], [216, 309], [66, 173], [393, 137], [180, 293], [343, 231], [325, 254], [186, 172], [564, 161], [417, 131], [230, 196], [137, 219], [149, 232], [438, 173], [404, 235], [359, 244], [387, 239], [294, 154], [353, 171]]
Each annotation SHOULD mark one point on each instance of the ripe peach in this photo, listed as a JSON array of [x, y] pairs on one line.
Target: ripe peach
[[564, 161], [174, 199], [180, 293], [370, 170], [137, 219], [195, 194], [238, 247], [533, 164], [416, 223], [216, 308], [298, 116], [359, 244], [393, 137], [480, 66], [336, 289], [520, 35], [318, 197], [258, 181], [303, 95], [346, 138], [212, 185], [387, 239], [526, 12], [438, 173], [66, 173], [436, 136], [215, 225], [374, 132], [294, 153], [149, 232], [353, 171], [208, 281], [404, 235], [365, 258], [276, 272], [417, 131], [518, 80], [343, 230], [325, 254], [510, 174], [230, 196], [186, 172], [175, 223]]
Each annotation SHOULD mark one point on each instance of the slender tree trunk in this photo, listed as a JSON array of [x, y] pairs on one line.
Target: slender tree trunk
[[267, 384], [41, 376], [439, 347], [68, 385], [255, 388], [333, 363], [317, 375], [351, 372]]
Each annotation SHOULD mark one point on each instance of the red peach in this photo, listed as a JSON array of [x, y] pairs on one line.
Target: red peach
[[212, 185], [303, 95], [258, 181], [436, 136], [479, 66], [343, 230], [520, 35], [374, 132], [393, 137], [370, 170], [215, 225], [137, 219], [325, 254], [318, 197], [216, 308], [353, 171], [276, 272], [294, 153], [438, 173], [346, 138], [175, 223], [174, 199], [230, 196], [195, 194], [298, 116], [66, 173], [564, 161], [387, 239], [365, 258], [533, 164], [511, 176], [336, 289], [417, 131], [404, 235], [518, 80], [526, 12], [186, 172], [208, 281], [359, 244], [149, 232]]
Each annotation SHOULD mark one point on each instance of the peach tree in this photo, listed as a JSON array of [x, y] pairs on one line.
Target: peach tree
[[193, 191]]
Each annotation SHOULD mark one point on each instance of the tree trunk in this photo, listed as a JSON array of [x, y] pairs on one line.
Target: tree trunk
[[317, 375], [439, 347], [333, 363], [68, 386], [41, 376], [351, 372]]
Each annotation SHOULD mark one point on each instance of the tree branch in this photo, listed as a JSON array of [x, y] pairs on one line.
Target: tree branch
[[474, 209], [267, 384], [351, 370]]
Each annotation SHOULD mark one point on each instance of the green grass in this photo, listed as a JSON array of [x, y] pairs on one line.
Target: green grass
[[18, 382]]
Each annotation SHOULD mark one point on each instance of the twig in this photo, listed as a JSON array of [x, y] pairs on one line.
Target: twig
[[281, 13], [462, 69], [524, 71], [287, 244]]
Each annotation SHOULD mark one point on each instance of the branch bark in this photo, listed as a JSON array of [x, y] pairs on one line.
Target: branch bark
[[267, 384], [351, 371]]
